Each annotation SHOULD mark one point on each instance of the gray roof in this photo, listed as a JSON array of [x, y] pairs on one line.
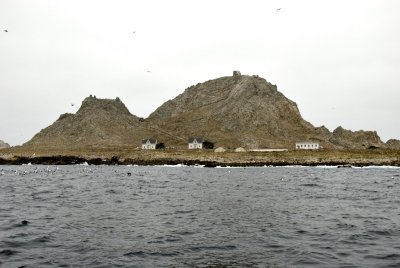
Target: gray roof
[[151, 140], [199, 140]]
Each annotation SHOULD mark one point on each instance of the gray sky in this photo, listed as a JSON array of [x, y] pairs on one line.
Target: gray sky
[[338, 60]]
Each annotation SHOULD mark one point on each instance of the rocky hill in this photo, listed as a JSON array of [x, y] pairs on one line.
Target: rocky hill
[[233, 111], [98, 123], [250, 112], [3, 145]]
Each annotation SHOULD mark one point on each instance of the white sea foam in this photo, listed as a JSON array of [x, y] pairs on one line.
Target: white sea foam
[[177, 165]]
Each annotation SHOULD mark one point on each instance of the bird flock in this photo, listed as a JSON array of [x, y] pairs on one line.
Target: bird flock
[[26, 170]]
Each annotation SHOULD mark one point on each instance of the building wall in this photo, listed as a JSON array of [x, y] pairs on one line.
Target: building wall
[[195, 145], [148, 146], [307, 146]]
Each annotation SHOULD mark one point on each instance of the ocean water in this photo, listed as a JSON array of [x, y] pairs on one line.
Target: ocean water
[[129, 216]]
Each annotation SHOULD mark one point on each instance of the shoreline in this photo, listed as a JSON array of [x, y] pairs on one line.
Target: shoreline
[[206, 158]]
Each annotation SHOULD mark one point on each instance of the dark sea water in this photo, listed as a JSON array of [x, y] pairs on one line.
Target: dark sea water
[[100, 216]]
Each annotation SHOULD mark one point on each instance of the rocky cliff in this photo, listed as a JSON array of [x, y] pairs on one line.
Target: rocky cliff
[[98, 123], [233, 111], [357, 139], [248, 111], [393, 144], [3, 145]]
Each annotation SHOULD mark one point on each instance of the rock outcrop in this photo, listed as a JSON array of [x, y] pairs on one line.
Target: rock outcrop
[[98, 123], [393, 144], [3, 145], [357, 139]]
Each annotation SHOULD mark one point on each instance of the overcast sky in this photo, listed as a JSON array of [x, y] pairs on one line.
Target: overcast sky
[[338, 60]]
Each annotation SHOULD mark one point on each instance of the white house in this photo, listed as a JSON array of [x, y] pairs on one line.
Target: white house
[[195, 143], [307, 145], [149, 144]]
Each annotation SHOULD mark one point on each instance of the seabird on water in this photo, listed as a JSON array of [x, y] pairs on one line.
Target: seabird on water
[[6, 31]]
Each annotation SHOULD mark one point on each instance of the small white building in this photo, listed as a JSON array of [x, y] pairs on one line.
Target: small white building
[[307, 145], [195, 143], [149, 144]]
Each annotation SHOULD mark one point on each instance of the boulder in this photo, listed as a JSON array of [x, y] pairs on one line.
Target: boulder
[[219, 150]]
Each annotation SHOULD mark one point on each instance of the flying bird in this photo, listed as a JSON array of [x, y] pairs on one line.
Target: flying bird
[[278, 9], [134, 32], [149, 71], [72, 104]]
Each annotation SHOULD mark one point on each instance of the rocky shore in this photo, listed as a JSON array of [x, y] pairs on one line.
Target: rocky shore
[[207, 158]]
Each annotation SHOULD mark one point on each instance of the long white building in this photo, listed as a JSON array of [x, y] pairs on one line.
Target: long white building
[[307, 145]]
